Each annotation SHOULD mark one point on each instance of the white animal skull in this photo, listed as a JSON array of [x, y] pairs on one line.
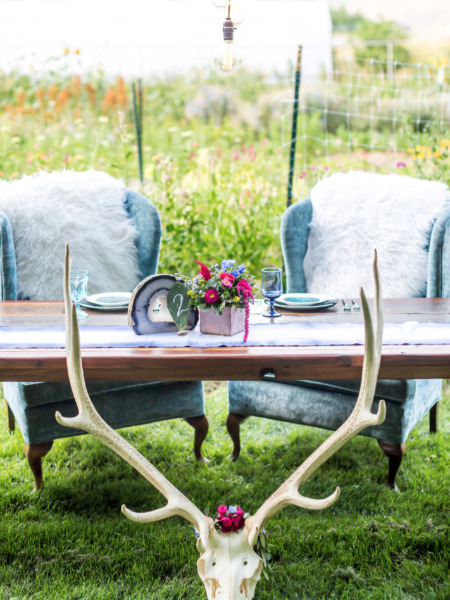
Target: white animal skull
[[228, 566]]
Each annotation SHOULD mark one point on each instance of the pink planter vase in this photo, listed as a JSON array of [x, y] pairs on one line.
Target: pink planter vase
[[231, 321]]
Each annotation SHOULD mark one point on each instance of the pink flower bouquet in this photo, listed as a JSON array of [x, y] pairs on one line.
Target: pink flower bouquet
[[220, 286]]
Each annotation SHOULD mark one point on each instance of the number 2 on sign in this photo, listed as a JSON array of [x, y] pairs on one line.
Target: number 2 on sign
[[180, 307]]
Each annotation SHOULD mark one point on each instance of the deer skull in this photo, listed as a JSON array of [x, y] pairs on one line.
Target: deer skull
[[229, 567]]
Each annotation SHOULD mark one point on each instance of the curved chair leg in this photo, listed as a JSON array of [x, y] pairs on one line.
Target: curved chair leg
[[233, 424], [395, 453], [10, 417], [35, 453], [201, 426], [434, 418]]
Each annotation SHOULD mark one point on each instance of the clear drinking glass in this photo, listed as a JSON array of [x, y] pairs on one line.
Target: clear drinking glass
[[271, 287], [78, 290]]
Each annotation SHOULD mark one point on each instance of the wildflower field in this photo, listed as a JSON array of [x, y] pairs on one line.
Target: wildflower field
[[215, 153]]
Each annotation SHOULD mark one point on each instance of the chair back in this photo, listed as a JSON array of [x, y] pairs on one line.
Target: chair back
[[114, 233], [328, 239]]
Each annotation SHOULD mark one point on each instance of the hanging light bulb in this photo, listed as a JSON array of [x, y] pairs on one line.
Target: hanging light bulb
[[228, 59]]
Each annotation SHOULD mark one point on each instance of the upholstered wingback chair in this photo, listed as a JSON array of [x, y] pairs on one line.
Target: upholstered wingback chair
[[327, 242], [81, 204]]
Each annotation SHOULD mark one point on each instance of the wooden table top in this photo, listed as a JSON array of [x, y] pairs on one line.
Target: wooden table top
[[235, 363]]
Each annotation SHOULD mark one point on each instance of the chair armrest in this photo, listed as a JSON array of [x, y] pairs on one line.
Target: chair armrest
[[294, 233], [146, 219], [8, 269], [438, 281]]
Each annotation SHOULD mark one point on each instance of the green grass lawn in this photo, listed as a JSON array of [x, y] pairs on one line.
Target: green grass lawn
[[70, 542]]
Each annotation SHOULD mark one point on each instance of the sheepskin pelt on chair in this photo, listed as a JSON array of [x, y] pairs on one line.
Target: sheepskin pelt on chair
[[355, 212], [84, 209]]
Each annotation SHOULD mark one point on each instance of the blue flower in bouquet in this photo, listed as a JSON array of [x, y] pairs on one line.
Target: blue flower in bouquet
[[238, 270], [228, 264]]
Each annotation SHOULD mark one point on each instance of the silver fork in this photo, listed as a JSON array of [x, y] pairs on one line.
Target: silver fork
[[345, 305], [355, 305]]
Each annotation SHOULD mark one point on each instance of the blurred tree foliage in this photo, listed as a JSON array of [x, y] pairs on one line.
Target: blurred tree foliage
[[366, 31], [343, 21], [381, 31]]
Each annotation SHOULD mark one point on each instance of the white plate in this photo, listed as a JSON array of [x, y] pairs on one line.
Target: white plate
[[110, 299], [309, 308], [92, 306], [296, 300]]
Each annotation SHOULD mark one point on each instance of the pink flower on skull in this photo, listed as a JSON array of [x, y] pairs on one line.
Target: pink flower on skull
[[238, 519], [230, 518], [226, 524]]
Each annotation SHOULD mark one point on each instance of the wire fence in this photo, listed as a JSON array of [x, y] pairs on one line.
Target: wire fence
[[368, 108]]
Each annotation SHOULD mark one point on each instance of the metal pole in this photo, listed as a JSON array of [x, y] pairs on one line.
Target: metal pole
[[294, 125], [137, 115], [390, 59]]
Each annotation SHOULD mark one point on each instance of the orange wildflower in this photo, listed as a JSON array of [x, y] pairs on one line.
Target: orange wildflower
[[40, 95], [91, 91], [20, 98], [109, 101], [52, 91]]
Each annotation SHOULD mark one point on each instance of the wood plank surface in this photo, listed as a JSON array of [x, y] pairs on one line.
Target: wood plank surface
[[251, 363]]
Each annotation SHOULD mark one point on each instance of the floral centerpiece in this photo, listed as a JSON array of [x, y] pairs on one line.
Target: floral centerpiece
[[221, 286]]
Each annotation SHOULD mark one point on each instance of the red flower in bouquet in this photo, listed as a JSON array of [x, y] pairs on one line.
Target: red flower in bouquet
[[211, 296], [244, 289], [204, 271], [227, 279]]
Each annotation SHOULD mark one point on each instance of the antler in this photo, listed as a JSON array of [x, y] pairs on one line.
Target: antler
[[90, 421], [360, 418]]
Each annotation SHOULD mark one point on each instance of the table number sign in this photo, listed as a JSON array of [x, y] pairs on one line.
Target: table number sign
[[149, 312], [179, 305]]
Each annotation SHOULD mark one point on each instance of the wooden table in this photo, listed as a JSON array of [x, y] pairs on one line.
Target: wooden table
[[246, 363]]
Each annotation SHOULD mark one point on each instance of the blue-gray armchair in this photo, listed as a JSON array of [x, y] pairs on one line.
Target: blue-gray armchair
[[33, 405], [326, 404]]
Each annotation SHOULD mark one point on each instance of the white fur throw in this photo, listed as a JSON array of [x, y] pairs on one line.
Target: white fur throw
[[355, 212], [86, 210]]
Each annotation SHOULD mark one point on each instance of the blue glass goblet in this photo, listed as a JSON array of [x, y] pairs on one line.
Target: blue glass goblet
[[271, 288]]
